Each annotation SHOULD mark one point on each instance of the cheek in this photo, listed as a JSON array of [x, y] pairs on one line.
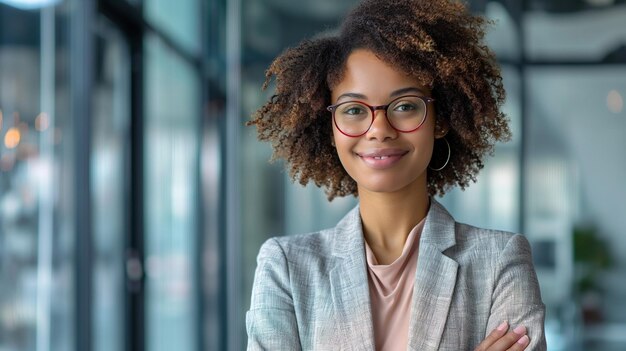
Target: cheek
[[338, 140], [425, 146], [343, 147]]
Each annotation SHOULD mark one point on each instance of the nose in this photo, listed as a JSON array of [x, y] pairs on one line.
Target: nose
[[381, 129]]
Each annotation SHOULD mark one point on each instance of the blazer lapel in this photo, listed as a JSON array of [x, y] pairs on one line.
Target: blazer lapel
[[434, 282], [349, 285]]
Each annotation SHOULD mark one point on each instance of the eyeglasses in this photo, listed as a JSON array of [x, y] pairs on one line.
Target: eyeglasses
[[404, 114]]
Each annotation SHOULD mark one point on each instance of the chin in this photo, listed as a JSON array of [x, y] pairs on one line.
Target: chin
[[387, 184], [381, 187]]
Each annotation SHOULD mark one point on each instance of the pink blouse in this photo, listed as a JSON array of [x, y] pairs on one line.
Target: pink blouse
[[391, 289]]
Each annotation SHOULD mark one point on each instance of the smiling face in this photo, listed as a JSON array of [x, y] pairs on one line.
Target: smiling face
[[383, 159]]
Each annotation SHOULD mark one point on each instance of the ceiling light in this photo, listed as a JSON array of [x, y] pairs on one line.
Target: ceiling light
[[614, 101]]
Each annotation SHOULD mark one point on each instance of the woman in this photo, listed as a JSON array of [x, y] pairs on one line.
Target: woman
[[399, 106]]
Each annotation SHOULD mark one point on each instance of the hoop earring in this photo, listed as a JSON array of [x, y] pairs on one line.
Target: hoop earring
[[447, 160]]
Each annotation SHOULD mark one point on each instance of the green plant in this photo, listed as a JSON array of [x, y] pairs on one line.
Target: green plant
[[591, 255]]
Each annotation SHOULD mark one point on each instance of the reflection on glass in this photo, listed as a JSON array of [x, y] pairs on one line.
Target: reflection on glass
[[171, 178], [36, 262], [110, 177], [574, 179], [179, 19]]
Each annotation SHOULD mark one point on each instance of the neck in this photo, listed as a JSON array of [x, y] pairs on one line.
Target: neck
[[389, 217]]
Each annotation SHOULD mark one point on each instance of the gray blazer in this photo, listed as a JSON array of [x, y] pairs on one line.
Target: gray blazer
[[311, 291]]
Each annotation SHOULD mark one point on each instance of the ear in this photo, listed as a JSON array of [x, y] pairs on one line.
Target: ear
[[441, 128]]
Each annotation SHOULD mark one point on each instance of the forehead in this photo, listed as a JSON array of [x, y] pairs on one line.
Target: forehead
[[367, 74]]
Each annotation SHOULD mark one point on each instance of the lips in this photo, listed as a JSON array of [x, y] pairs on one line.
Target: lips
[[381, 158]]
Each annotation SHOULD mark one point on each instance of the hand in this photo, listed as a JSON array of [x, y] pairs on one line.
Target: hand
[[500, 340]]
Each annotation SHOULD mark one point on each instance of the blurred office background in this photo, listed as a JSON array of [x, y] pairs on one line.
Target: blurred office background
[[133, 200]]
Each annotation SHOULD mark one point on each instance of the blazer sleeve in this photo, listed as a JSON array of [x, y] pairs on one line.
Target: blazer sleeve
[[516, 297], [271, 321]]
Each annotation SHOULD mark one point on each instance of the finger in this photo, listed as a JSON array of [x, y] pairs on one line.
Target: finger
[[520, 344], [508, 340], [493, 336]]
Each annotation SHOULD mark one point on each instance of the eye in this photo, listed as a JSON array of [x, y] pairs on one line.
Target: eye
[[353, 110], [404, 106]]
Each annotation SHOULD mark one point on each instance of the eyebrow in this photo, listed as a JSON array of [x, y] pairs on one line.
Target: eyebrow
[[395, 93]]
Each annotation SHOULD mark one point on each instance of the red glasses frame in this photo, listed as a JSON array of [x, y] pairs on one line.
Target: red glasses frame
[[425, 99]]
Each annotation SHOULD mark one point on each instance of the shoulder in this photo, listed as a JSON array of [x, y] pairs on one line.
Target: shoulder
[[497, 261], [474, 243], [300, 247], [283, 262], [316, 246], [471, 237]]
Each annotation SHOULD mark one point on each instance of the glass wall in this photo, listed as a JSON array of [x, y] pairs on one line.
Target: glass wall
[[180, 20], [213, 266], [171, 184], [110, 173], [94, 105], [576, 166], [36, 187]]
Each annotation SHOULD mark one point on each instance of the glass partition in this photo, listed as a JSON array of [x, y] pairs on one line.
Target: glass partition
[[36, 167], [574, 183], [178, 19], [110, 173], [172, 132]]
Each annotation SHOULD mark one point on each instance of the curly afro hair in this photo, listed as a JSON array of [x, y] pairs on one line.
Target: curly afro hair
[[439, 42]]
